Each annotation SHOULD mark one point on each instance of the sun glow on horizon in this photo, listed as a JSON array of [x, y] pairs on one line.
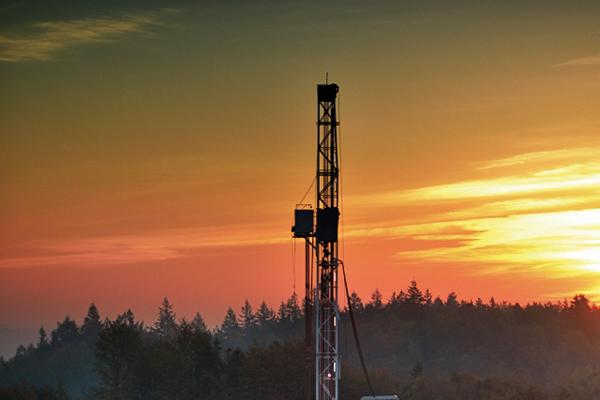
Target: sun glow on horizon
[[541, 220]]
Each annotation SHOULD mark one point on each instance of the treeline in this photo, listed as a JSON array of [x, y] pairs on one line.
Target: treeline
[[123, 358], [416, 346], [542, 343]]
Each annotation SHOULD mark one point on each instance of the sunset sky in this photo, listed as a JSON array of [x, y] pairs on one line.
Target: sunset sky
[[158, 149]]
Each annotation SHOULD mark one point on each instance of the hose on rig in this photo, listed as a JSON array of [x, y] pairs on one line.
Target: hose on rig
[[355, 332]]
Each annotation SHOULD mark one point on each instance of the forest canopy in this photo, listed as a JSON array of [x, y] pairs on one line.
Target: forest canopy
[[416, 346]]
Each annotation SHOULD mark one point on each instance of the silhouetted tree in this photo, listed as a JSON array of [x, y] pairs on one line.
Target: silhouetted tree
[[65, 332], [119, 345], [21, 352], [43, 340], [198, 324], [397, 298], [452, 300], [580, 304], [292, 309], [265, 315], [479, 304], [414, 296], [376, 299], [247, 317], [91, 324], [230, 327], [356, 302], [199, 362], [427, 297], [166, 323]]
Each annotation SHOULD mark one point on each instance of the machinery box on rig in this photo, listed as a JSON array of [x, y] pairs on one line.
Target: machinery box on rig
[[327, 92], [327, 224], [303, 222]]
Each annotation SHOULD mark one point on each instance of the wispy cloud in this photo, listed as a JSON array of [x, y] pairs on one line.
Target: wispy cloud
[[542, 218], [540, 156], [147, 247], [562, 242], [580, 62], [580, 176], [43, 40]]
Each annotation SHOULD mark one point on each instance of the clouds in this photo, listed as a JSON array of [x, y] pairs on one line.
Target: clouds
[[537, 173], [533, 215], [557, 242], [538, 214], [581, 62], [44, 40], [165, 244], [540, 156], [541, 217]]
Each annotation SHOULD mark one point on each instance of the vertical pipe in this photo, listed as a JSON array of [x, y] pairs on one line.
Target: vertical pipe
[[307, 321], [317, 307]]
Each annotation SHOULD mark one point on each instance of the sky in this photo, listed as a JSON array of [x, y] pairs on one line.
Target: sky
[[153, 149]]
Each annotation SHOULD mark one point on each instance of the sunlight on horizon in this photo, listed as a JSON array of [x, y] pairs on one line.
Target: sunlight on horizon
[[541, 220]]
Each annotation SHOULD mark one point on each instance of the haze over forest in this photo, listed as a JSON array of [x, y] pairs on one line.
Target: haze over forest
[[415, 345]]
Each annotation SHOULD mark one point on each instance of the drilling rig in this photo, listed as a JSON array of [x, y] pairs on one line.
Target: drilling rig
[[319, 228]]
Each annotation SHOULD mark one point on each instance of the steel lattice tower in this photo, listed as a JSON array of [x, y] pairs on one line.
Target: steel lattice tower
[[327, 356], [322, 246]]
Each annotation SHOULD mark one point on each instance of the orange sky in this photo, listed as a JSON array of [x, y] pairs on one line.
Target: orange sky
[[160, 151]]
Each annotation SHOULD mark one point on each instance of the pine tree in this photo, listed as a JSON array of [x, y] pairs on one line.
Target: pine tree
[[414, 295], [65, 332], [126, 318], [356, 302], [397, 298], [21, 351], [91, 324], [293, 311], [198, 324], [43, 342], [247, 317], [166, 324], [427, 297], [452, 300], [376, 299], [282, 312], [118, 349], [265, 314], [580, 304], [479, 304], [230, 325]]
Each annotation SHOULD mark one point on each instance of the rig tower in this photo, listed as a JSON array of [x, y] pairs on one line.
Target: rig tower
[[326, 300], [322, 245]]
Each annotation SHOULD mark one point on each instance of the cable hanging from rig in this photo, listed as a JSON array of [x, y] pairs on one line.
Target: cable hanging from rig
[[355, 332]]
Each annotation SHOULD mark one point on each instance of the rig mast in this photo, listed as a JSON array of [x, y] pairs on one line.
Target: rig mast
[[326, 300], [322, 245]]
